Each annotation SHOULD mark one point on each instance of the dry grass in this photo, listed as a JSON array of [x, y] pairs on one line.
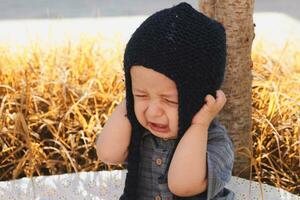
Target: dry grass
[[276, 117], [54, 101], [52, 104]]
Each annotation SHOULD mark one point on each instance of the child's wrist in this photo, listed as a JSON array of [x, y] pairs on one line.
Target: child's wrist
[[202, 125]]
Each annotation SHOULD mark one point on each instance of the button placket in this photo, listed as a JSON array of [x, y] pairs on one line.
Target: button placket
[[160, 156]]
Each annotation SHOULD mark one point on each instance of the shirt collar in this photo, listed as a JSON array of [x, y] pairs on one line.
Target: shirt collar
[[145, 133]]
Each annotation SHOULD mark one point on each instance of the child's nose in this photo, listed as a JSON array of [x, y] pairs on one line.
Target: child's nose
[[154, 109]]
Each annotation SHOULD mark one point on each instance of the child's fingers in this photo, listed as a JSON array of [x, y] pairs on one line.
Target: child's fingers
[[210, 100], [216, 103], [221, 98]]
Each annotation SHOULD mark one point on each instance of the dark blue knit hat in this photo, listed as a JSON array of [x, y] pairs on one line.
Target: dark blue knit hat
[[187, 47]]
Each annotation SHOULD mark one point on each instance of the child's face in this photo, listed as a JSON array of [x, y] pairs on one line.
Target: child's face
[[155, 102]]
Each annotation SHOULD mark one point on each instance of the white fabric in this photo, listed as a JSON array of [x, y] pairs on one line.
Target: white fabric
[[104, 185]]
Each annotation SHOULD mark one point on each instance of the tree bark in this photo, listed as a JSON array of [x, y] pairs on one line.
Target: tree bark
[[237, 18]]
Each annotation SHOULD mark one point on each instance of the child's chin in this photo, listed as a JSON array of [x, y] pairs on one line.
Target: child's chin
[[165, 136]]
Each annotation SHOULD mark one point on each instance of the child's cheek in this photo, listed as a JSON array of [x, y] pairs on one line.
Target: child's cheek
[[174, 116], [139, 109]]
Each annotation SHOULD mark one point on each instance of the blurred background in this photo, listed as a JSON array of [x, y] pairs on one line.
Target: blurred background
[[45, 9], [279, 19]]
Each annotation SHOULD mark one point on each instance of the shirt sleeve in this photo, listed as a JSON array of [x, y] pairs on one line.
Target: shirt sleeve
[[220, 158]]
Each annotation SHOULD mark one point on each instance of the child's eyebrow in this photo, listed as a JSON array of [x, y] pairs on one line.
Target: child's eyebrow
[[163, 95], [137, 90], [168, 95]]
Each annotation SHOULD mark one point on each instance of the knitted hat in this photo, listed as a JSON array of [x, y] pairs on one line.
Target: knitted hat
[[187, 47]]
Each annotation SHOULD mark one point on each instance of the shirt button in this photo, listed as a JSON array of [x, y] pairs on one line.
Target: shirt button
[[165, 139], [157, 197], [158, 161]]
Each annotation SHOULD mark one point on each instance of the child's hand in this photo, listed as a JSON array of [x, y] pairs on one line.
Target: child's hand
[[210, 109]]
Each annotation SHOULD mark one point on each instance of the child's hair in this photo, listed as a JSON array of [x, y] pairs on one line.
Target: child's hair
[[187, 47]]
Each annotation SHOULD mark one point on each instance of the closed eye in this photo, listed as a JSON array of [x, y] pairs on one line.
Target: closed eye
[[169, 101], [139, 95], [143, 96]]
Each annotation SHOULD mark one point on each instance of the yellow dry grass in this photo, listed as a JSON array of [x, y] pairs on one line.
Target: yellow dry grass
[[54, 101], [276, 117]]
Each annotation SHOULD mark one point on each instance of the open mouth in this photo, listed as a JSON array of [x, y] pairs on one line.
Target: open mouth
[[159, 127]]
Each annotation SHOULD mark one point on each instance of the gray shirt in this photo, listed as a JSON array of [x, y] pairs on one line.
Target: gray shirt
[[155, 152]]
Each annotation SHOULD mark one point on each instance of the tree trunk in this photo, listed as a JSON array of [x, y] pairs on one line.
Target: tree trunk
[[237, 18]]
